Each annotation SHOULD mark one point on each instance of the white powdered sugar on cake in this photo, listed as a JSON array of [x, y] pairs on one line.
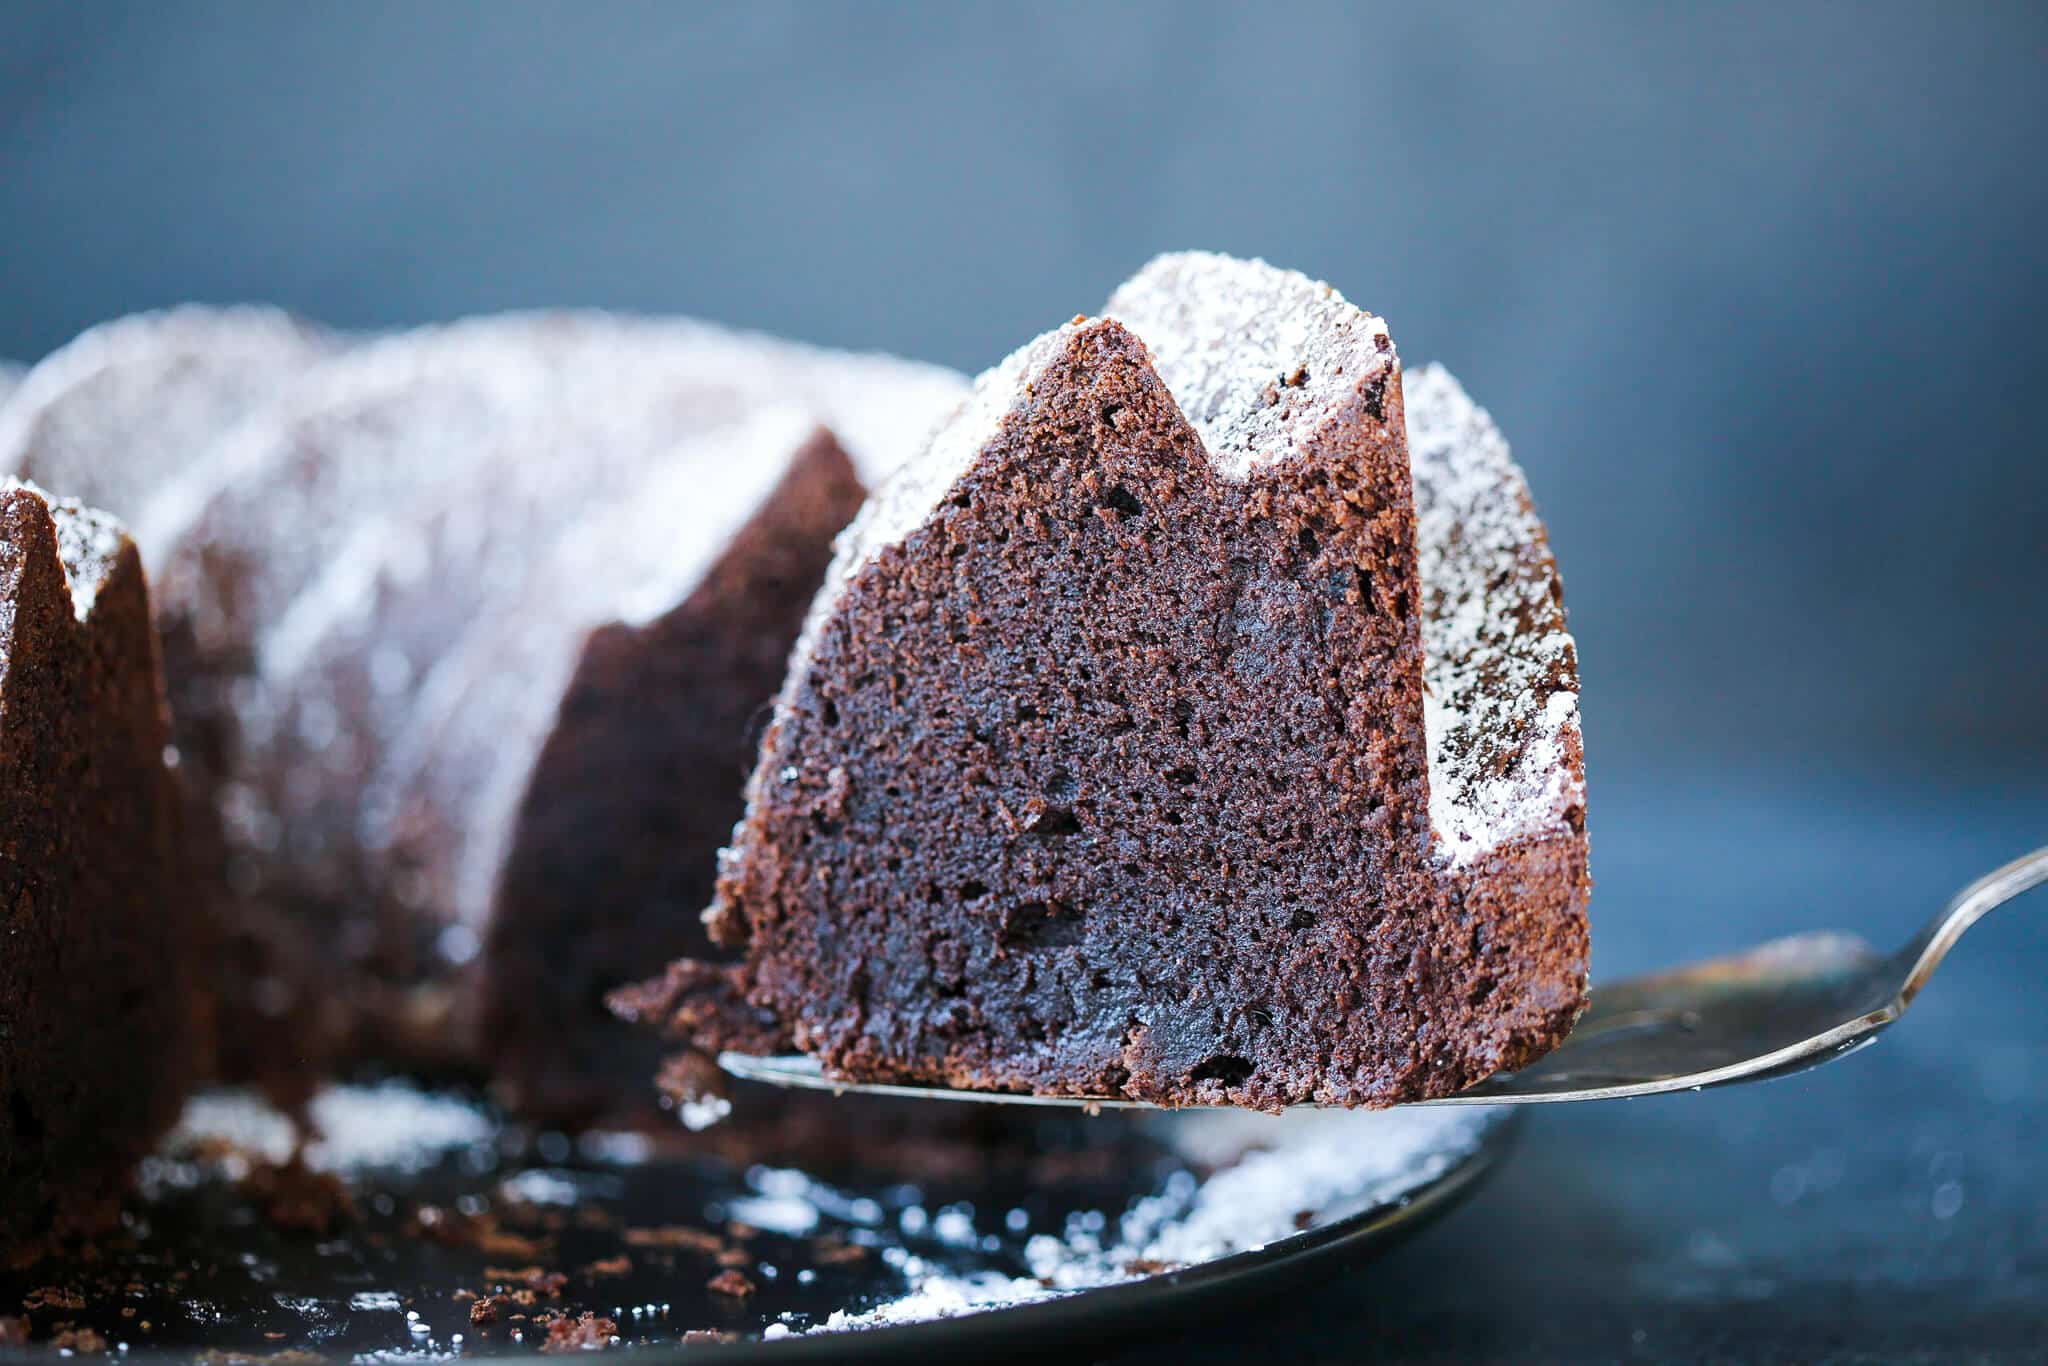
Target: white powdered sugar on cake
[[285, 488], [880, 408], [1500, 680], [619, 395], [1247, 351], [360, 537], [1255, 356], [636, 556], [1250, 352], [89, 543], [129, 406]]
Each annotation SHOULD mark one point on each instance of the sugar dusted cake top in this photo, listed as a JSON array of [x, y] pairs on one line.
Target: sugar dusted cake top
[[1267, 363], [89, 543]]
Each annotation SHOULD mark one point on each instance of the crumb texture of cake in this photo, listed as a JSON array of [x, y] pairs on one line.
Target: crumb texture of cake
[[473, 619], [1132, 748], [99, 1033]]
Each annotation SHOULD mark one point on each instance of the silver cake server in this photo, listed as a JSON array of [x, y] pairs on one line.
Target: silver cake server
[[1780, 1008]]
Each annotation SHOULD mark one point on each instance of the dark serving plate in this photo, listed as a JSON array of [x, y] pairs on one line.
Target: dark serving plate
[[1067, 1227]]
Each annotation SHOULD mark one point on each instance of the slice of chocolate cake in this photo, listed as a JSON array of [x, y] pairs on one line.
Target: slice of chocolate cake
[[98, 1028], [1132, 748]]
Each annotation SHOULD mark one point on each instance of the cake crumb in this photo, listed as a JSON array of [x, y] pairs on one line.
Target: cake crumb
[[587, 1333], [297, 1199], [498, 1242], [676, 1235], [732, 1282], [533, 1278], [835, 1252], [451, 1228], [81, 1341]]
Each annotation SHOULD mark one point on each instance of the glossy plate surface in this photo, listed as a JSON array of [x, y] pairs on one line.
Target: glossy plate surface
[[1017, 1231]]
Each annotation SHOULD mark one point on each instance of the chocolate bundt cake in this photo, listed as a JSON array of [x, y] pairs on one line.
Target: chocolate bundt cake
[[1193, 721], [449, 633], [98, 1031]]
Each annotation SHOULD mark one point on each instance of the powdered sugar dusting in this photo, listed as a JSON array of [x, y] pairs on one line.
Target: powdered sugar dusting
[[377, 510], [1253, 356], [640, 558], [1256, 356], [830, 1248], [1249, 351], [1500, 697], [390, 1126], [1331, 1163], [128, 407], [89, 544]]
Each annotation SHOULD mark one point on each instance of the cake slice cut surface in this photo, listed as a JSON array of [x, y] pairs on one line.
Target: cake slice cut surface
[[1133, 748]]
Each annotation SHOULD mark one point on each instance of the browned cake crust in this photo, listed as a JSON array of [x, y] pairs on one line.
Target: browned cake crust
[[1103, 766], [98, 1031]]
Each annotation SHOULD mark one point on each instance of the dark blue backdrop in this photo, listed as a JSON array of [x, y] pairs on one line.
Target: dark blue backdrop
[[1757, 291]]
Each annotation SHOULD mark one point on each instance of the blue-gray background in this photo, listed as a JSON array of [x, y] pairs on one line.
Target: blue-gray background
[[1757, 292]]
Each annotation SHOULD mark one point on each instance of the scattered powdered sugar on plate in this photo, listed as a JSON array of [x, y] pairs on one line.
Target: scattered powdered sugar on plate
[[392, 1126], [1326, 1165], [389, 1127], [434, 1190]]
